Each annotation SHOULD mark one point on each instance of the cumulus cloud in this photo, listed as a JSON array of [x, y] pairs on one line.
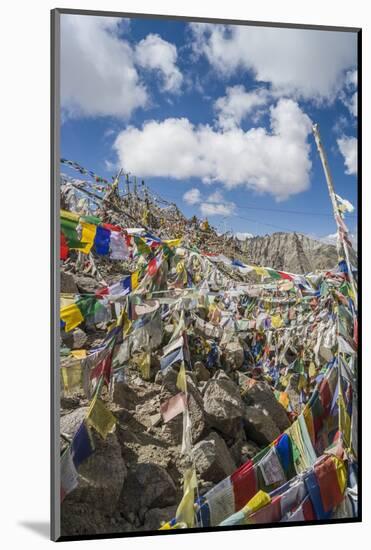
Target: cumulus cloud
[[193, 196], [307, 63], [216, 205], [332, 239], [155, 53], [348, 148], [349, 95], [98, 76], [213, 209], [275, 162], [232, 108]]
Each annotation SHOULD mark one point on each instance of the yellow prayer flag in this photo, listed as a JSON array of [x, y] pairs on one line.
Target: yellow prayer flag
[[256, 502], [260, 271], [181, 380], [341, 473], [308, 417], [144, 364], [284, 399], [173, 242], [134, 280], [344, 420], [72, 377], [78, 353], [185, 511], [276, 321], [312, 370], [70, 216], [72, 316], [87, 236], [66, 299], [100, 417]]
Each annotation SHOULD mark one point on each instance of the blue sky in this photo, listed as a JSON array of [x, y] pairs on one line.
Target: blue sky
[[215, 118]]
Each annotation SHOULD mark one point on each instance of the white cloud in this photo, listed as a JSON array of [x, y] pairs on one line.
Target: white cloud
[[307, 63], [243, 236], [349, 95], [216, 205], [193, 196], [214, 209], [98, 76], [217, 196], [275, 162], [348, 148], [155, 53], [236, 104], [332, 239]]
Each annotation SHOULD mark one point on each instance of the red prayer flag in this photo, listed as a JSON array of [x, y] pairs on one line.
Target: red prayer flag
[[328, 484], [244, 483], [152, 267], [64, 250]]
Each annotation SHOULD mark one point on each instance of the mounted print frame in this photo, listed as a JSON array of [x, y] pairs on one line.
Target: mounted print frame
[[206, 313]]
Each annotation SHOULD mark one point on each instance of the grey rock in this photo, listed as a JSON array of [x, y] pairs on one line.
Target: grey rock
[[86, 284], [147, 485], [262, 397], [259, 426], [233, 355], [223, 405], [79, 339], [124, 395], [102, 475], [213, 459], [157, 516], [67, 283], [202, 373]]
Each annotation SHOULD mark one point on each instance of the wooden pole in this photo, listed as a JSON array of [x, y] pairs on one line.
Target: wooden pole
[[330, 186]]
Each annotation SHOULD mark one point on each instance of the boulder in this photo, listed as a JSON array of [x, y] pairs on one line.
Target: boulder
[[67, 283], [147, 485], [155, 517], [124, 395], [172, 431], [212, 458], [102, 475], [233, 355], [259, 426], [202, 373], [79, 339], [223, 405], [261, 396], [85, 284]]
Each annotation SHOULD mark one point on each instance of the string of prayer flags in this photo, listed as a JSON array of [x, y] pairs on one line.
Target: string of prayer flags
[[100, 418]]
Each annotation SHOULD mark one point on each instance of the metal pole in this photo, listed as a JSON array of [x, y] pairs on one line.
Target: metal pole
[[331, 191]]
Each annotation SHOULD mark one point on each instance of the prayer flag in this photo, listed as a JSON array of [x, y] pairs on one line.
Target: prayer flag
[[82, 445], [100, 417], [173, 406], [69, 475], [72, 316], [102, 241], [87, 236]]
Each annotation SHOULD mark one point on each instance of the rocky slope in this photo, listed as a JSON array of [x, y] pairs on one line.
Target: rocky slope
[[291, 252]]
